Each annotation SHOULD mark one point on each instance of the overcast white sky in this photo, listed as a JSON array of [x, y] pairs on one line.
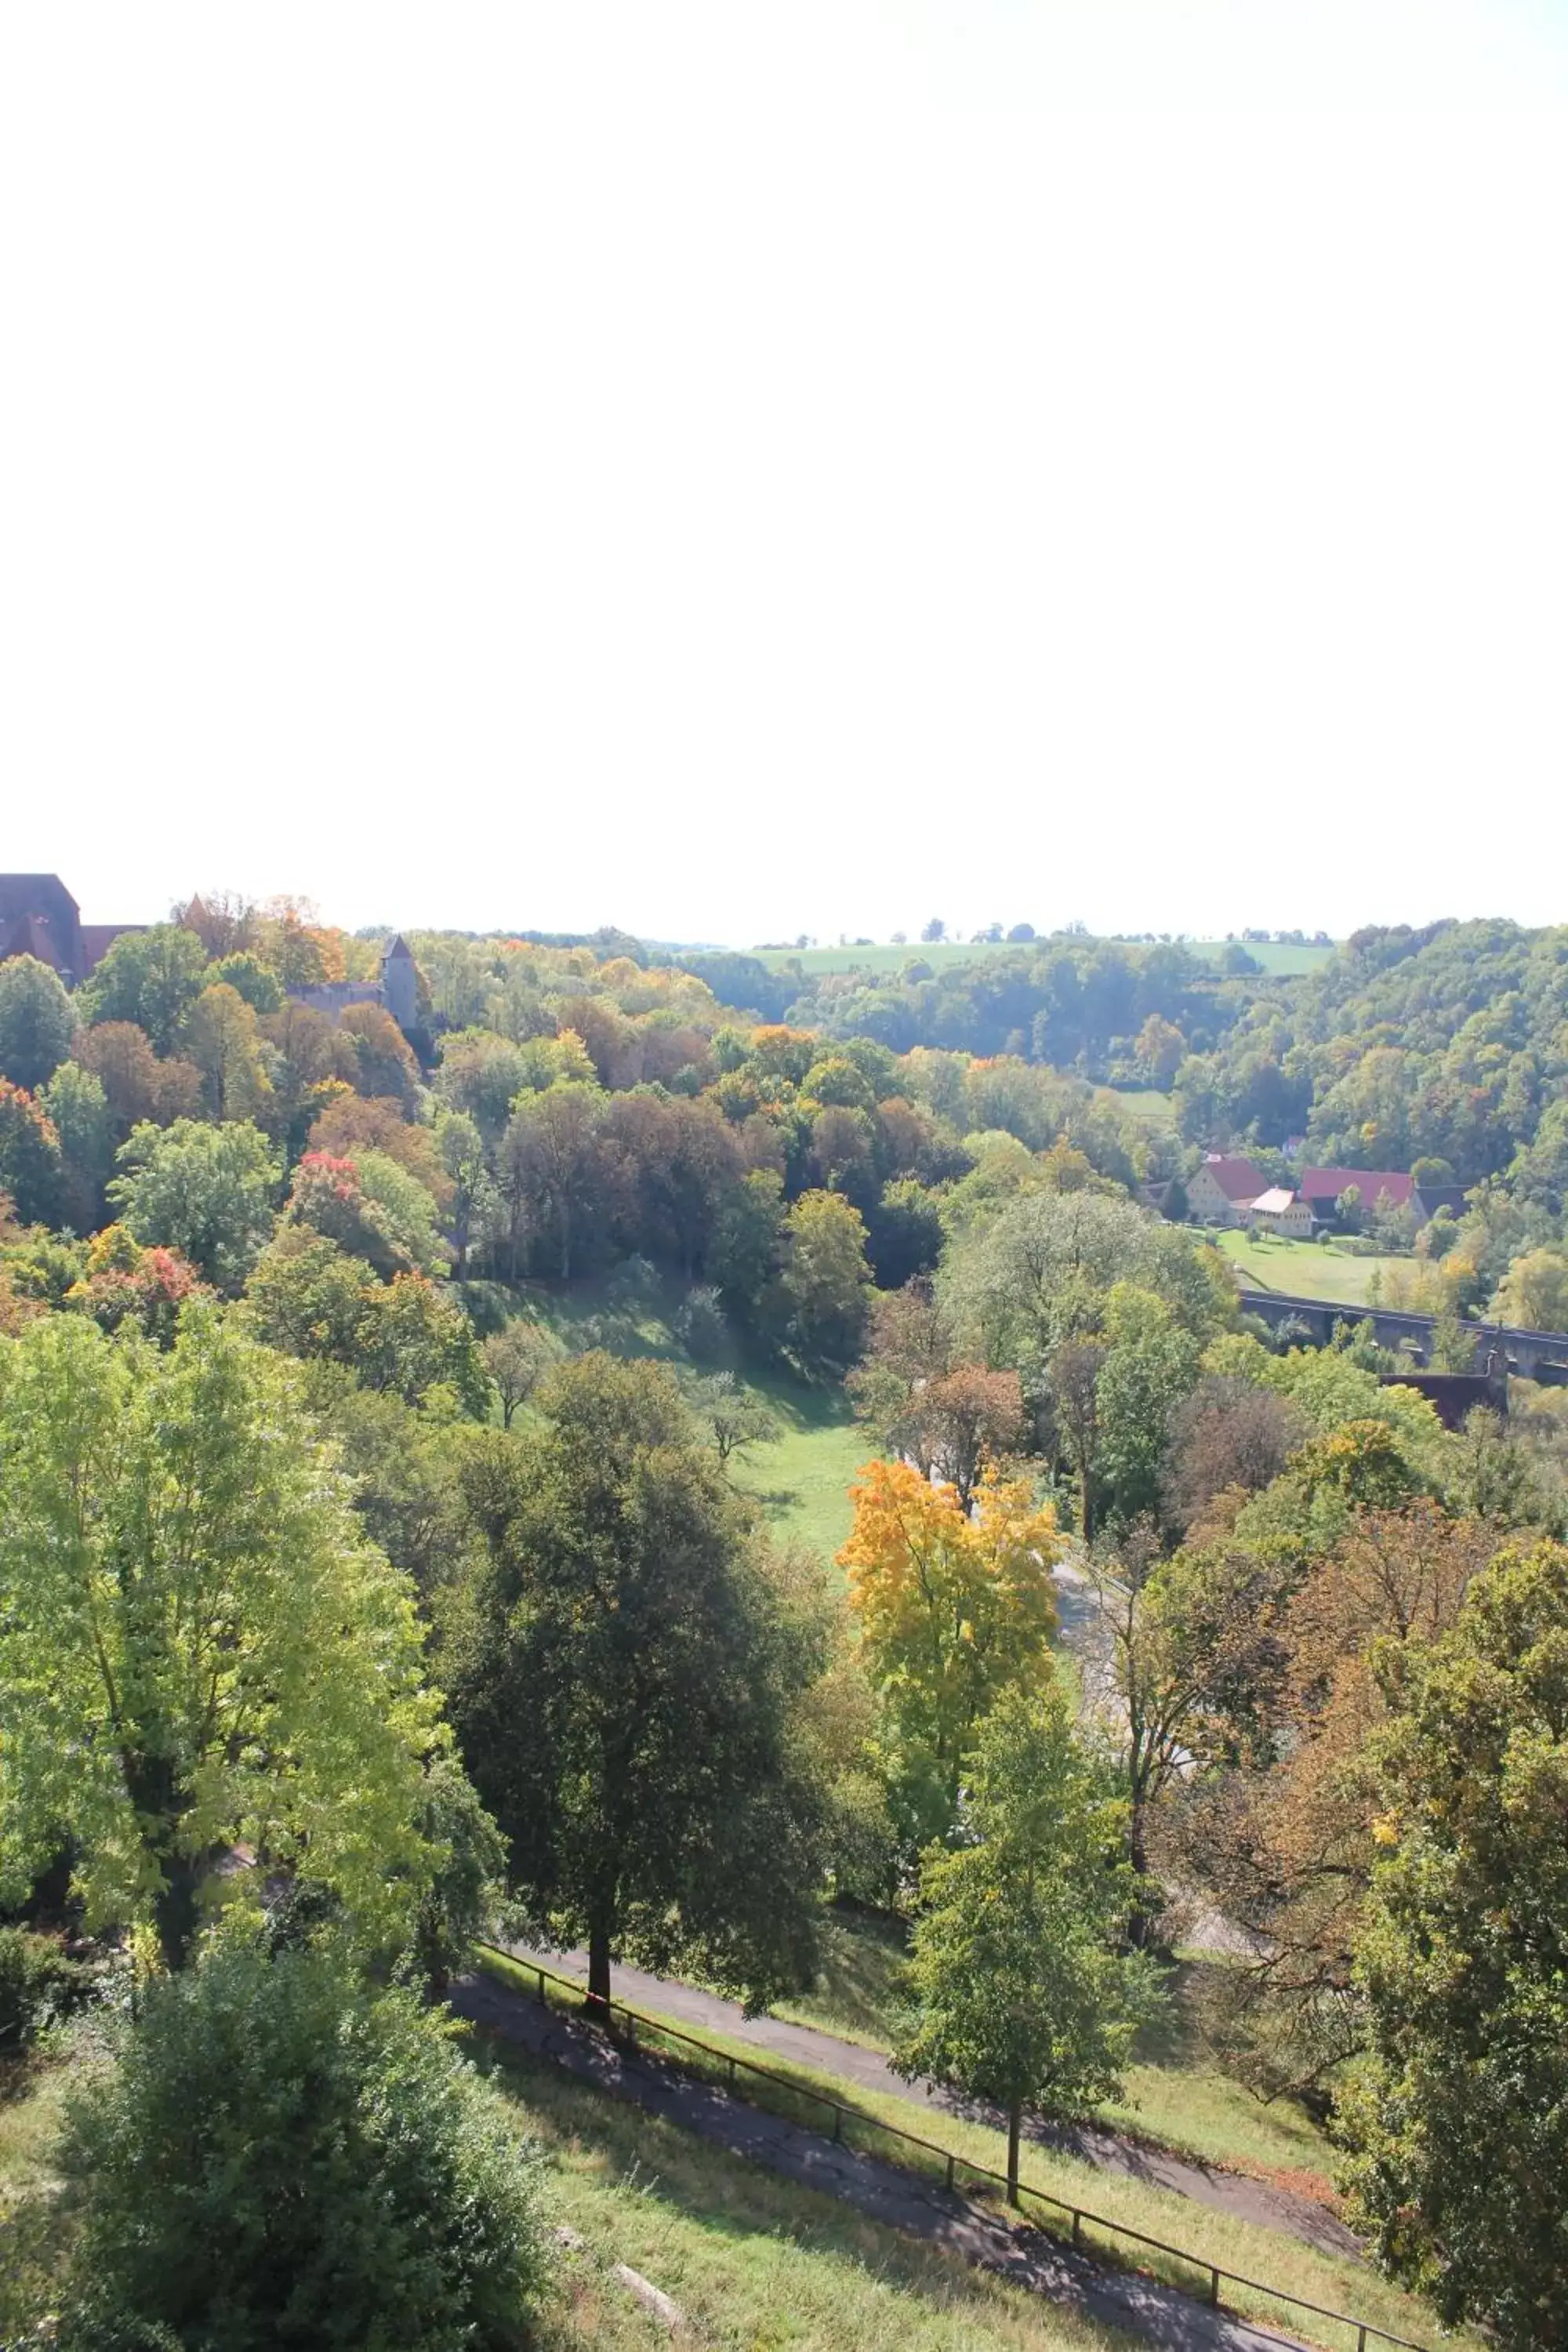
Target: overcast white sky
[[736, 470]]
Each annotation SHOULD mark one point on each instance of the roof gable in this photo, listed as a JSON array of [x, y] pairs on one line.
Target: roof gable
[[1238, 1179], [1328, 1184]]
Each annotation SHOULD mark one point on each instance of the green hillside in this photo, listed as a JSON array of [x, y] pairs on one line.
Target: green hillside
[[1279, 961]]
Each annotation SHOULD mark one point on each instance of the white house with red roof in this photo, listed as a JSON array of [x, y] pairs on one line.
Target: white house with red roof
[[1222, 1189], [1280, 1211]]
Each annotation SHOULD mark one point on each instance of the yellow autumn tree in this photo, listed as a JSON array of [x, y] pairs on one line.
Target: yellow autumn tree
[[952, 1609]]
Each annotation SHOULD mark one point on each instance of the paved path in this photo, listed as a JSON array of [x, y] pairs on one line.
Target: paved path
[[898, 2199], [1236, 2193]]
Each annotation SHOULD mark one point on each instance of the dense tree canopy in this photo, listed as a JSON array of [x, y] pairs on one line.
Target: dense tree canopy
[[186, 1598], [623, 1668]]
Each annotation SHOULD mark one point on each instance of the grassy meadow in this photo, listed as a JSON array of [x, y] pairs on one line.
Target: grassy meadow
[[1303, 1270], [756, 2264], [801, 1477]]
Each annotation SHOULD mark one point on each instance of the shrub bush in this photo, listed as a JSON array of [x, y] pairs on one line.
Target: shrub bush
[[282, 2158], [39, 1985]]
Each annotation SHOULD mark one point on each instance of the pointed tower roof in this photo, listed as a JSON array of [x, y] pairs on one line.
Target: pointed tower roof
[[400, 946]]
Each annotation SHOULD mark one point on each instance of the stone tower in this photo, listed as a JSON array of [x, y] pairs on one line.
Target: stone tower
[[400, 985]]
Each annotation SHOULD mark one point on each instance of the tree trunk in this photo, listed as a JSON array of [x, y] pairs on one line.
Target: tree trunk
[[1015, 2124], [176, 1914], [599, 1966]]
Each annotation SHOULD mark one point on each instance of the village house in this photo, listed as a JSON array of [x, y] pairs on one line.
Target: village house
[[1380, 1190], [1221, 1190], [1280, 1211]]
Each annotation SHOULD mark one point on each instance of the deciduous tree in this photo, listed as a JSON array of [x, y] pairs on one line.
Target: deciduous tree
[[623, 1675], [283, 2155], [207, 1192], [824, 1281], [1022, 1994], [37, 1021], [952, 1608], [197, 1648], [150, 978], [1459, 2124]]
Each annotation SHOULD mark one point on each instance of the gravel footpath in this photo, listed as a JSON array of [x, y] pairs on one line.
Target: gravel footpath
[[1236, 2193], [884, 2193]]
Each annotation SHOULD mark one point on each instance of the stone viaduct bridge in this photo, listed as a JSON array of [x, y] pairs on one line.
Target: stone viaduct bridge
[[1531, 1355]]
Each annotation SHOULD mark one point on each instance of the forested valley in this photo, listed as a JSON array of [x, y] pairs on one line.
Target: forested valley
[[719, 1467]]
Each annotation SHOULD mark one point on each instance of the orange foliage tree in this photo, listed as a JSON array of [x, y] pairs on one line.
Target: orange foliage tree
[[952, 1609]]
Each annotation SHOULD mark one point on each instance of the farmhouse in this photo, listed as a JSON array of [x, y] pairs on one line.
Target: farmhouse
[[1279, 1211], [1220, 1191], [1380, 1188], [40, 918]]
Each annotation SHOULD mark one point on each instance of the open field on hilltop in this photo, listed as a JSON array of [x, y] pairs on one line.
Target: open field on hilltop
[[802, 1477], [1280, 962], [1248, 2248], [1146, 1103], [1304, 1269]]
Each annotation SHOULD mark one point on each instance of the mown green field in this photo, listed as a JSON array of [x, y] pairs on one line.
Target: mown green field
[[801, 1477], [1282, 963], [1304, 1269], [1146, 1103]]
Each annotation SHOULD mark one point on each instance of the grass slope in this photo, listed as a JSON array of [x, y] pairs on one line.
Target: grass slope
[[756, 2264], [1245, 2248], [1174, 2092], [802, 1477], [1304, 1269]]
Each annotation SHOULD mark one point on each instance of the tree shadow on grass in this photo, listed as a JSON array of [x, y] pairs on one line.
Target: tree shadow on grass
[[660, 2161]]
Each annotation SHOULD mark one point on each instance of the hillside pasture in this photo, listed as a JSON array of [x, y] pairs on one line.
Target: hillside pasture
[[800, 1477]]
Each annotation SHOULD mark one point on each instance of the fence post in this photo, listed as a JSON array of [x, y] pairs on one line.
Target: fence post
[[950, 2168], [838, 2123], [731, 2073], [1077, 2226], [1360, 2338], [543, 1996], [1214, 2288]]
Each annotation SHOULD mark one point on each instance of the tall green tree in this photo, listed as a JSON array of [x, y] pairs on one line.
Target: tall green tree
[[1459, 2124], [825, 1281], [1150, 1366], [150, 978], [78, 1107], [207, 1192], [37, 1021], [624, 1671], [31, 1173], [1022, 1993], [197, 1647]]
